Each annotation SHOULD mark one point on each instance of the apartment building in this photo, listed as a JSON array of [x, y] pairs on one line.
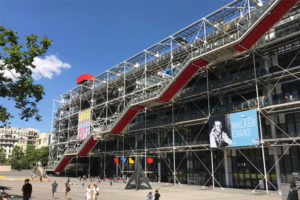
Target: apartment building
[[13, 136], [43, 140]]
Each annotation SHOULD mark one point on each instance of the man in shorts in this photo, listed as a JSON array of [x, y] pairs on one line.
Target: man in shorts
[[54, 188]]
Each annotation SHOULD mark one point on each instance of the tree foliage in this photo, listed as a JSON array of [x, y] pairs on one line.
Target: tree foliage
[[16, 157], [43, 155], [17, 59], [2, 156], [28, 160]]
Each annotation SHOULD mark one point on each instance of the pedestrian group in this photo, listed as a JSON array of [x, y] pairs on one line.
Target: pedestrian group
[[92, 192], [156, 195]]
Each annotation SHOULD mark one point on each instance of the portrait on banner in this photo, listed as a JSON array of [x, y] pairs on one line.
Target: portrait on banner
[[220, 134]]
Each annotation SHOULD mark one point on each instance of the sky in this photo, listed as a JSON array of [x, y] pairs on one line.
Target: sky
[[92, 36]]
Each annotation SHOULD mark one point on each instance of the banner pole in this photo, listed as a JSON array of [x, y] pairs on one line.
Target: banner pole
[[145, 140], [212, 169], [207, 87], [260, 126], [76, 165], [173, 134]]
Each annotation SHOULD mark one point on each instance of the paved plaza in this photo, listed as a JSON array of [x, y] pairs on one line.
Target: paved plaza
[[42, 191]]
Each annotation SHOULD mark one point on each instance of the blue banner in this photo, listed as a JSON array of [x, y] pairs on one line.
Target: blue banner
[[234, 130], [244, 128]]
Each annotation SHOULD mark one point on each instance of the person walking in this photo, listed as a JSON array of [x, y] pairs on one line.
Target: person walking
[[150, 196], [88, 193], [68, 189], [27, 190], [96, 192], [157, 195], [54, 187]]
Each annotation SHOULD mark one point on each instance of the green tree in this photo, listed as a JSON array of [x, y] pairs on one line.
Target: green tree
[[16, 58], [30, 157], [16, 156], [42, 155], [2, 156], [24, 163], [33, 156]]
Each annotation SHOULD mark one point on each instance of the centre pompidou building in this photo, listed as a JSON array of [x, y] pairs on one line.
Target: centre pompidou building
[[158, 105]]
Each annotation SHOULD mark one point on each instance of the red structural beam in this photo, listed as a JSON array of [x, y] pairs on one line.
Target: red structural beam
[[200, 62], [64, 163], [183, 78], [128, 116], [84, 77], [88, 146], [279, 10]]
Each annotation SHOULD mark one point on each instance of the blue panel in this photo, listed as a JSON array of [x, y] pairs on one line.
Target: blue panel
[[244, 128], [123, 159]]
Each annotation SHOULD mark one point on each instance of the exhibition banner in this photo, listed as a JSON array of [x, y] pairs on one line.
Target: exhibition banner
[[83, 124], [244, 128], [234, 130]]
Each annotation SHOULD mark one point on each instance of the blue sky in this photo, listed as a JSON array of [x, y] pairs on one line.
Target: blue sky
[[91, 36]]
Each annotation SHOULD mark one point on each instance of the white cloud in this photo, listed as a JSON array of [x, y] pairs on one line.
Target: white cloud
[[45, 68], [9, 73]]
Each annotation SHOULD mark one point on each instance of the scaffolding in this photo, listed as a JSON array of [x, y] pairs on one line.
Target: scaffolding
[[152, 102]]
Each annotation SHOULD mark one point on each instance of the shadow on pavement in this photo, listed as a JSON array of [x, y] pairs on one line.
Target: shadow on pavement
[[14, 197], [3, 188], [3, 193]]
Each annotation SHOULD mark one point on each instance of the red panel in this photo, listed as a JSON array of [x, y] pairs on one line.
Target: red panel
[[126, 119], [179, 83], [200, 62], [239, 47], [84, 77], [64, 163], [87, 147], [137, 107], [280, 9]]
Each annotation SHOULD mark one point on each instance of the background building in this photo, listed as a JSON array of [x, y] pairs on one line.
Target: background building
[[13, 136], [158, 103], [43, 140]]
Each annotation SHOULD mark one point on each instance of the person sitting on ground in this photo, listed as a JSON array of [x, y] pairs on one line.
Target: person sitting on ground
[[3, 198]]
